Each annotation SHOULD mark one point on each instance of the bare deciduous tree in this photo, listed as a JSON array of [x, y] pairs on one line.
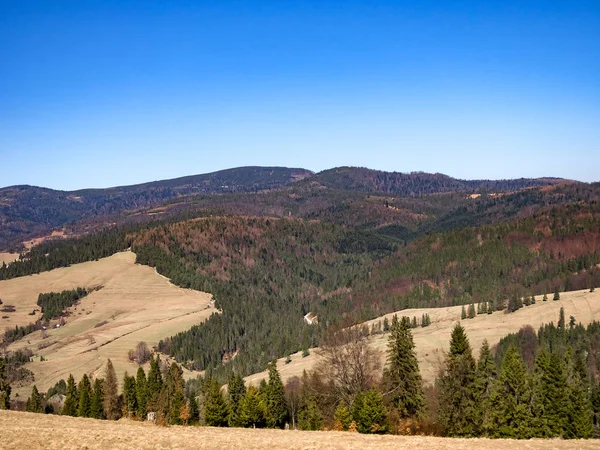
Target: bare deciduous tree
[[349, 364]]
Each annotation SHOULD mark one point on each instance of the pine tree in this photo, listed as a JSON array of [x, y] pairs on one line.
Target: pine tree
[[402, 382], [510, 402], [579, 415], [545, 298], [276, 404], [485, 380], [252, 411], [72, 398], [85, 397], [386, 324], [130, 395], [463, 313], [34, 402], [215, 407], [5, 388], [97, 402], [235, 392], [111, 400], [172, 396], [153, 384], [368, 412], [556, 295], [561, 319], [471, 313], [458, 393], [414, 323], [342, 417], [141, 393], [194, 412]]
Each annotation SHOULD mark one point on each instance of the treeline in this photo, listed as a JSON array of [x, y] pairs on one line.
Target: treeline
[[53, 304]]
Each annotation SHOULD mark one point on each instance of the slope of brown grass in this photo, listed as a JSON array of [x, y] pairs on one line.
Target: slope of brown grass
[[135, 304], [7, 258], [35, 431], [432, 341]]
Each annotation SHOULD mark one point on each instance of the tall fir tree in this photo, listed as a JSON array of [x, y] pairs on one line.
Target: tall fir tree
[[402, 383], [129, 396], [154, 384], [216, 412], [550, 394], [485, 379], [252, 411], [111, 398], [276, 404], [85, 397], [458, 393], [579, 415], [369, 413], [141, 393], [72, 398], [510, 402], [97, 402], [236, 389], [35, 401]]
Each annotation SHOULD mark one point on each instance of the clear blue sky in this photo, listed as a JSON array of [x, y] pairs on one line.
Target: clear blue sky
[[97, 94]]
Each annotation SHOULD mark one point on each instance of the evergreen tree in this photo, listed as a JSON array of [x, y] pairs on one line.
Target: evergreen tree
[[172, 396], [252, 411], [34, 403], [556, 295], [485, 379], [130, 395], [85, 397], [579, 416], [111, 400], [153, 384], [72, 398], [458, 392], [510, 415], [561, 319], [5, 388], [368, 412], [402, 382], [97, 402], [141, 392], [463, 313], [545, 298], [386, 324], [215, 406], [276, 404], [342, 417], [194, 412], [471, 313], [236, 390]]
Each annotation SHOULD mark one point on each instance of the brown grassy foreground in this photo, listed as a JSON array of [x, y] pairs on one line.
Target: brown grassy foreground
[[20, 430]]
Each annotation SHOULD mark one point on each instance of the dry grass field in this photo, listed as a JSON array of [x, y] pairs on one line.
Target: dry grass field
[[432, 341], [7, 258], [135, 304], [35, 431]]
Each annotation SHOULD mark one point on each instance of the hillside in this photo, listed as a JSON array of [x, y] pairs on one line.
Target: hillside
[[29, 211], [35, 431], [135, 304], [432, 342]]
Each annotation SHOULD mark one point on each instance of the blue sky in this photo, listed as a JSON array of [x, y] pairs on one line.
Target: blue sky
[[97, 94]]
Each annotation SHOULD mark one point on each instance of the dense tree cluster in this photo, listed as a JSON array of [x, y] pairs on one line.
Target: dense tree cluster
[[53, 304]]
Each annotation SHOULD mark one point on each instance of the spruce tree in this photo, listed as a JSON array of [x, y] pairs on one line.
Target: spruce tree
[[458, 408], [215, 406], [510, 415], [556, 294], [72, 398], [579, 415], [194, 412], [471, 313], [141, 393], [368, 412], [342, 417], [485, 380], [402, 383], [111, 399], [130, 395], [276, 404], [252, 411], [463, 313], [34, 403], [153, 384], [236, 390], [85, 397], [5, 388], [97, 402]]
